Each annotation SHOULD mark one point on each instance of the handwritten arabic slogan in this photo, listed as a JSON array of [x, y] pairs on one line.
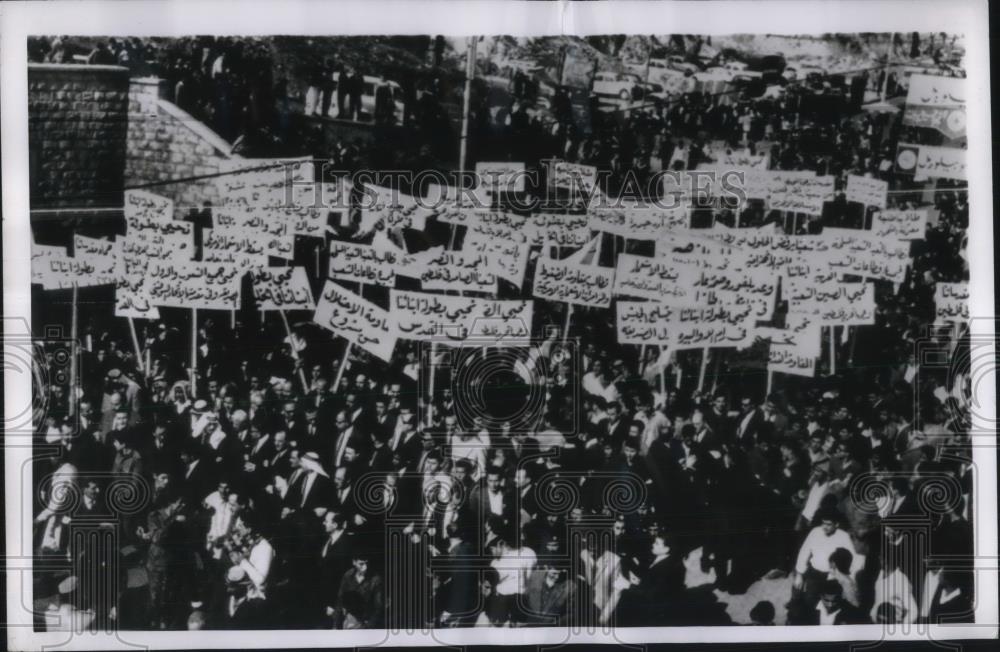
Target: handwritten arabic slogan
[[926, 162], [151, 235], [870, 192], [275, 197], [282, 288], [680, 327], [572, 176], [580, 285], [936, 102], [900, 224], [465, 271], [93, 263], [420, 316], [243, 247], [635, 223], [386, 209], [794, 349], [357, 320], [799, 192], [364, 264], [831, 302], [951, 301], [500, 177], [213, 286], [849, 251]]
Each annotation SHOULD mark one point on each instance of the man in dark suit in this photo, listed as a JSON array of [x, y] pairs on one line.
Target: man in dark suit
[[833, 609], [547, 596], [381, 420], [952, 600], [462, 580], [615, 426], [379, 458], [663, 582], [749, 424], [489, 498], [334, 560]]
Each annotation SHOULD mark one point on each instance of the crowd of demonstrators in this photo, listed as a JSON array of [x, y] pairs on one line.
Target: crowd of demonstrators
[[280, 497]]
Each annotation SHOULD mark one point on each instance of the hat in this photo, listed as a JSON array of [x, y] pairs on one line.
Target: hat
[[200, 405], [310, 462], [114, 374], [236, 575]]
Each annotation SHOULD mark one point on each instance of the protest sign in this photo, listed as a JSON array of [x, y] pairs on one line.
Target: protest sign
[[926, 162], [799, 191], [465, 271], [657, 279], [421, 316], [572, 176], [646, 322], [282, 288], [580, 285], [900, 224], [39, 257], [214, 286], [831, 302], [757, 288], [951, 301], [274, 196], [507, 256], [364, 263], [131, 290], [850, 251], [714, 326], [795, 348], [639, 223], [233, 242], [870, 192], [391, 209], [802, 332], [684, 327], [938, 103], [501, 177], [357, 320], [142, 205], [551, 229]]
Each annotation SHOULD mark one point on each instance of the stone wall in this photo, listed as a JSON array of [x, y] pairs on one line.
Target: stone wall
[[77, 121], [166, 143]]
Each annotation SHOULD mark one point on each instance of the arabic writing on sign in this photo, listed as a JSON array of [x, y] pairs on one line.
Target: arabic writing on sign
[[278, 198], [941, 163], [213, 286], [282, 288], [900, 224], [465, 271], [572, 176], [657, 279], [421, 316], [582, 285], [142, 205], [951, 301], [363, 264], [241, 242], [501, 176], [799, 191], [870, 192], [357, 320]]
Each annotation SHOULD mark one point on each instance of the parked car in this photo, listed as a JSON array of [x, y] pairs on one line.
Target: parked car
[[625, 86]]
